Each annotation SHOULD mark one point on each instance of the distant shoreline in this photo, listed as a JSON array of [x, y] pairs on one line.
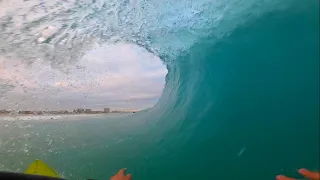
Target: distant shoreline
[[13, 117], [71, 114]]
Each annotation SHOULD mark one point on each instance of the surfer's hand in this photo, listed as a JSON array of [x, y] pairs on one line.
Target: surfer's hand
[[121, 175], [304, 172]]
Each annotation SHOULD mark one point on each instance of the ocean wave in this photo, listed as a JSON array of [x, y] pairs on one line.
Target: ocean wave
[[239, 72], [61, 32]]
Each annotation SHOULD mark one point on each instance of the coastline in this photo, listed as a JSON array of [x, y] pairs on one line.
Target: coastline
[[11, 117], [83, 114]]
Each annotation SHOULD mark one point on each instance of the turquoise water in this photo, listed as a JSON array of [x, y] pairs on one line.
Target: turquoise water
[[240, 102]]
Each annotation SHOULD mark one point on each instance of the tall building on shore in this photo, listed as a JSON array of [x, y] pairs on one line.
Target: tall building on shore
[[106, 110], [88, 111]]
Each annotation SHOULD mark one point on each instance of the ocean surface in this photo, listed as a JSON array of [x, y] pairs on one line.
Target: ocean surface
[[241, 99]]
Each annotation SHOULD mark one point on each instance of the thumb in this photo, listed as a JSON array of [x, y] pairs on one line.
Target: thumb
[[309, 174], [122, 171]]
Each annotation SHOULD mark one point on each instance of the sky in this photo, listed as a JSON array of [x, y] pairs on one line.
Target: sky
[[120, 76]]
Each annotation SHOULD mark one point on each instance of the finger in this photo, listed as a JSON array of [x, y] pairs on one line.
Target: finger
[[129, 177], [281, 177], [309, 174], [122, 171]]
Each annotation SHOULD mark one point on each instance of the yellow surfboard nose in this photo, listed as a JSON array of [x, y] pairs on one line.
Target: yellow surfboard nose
[[40, 168]]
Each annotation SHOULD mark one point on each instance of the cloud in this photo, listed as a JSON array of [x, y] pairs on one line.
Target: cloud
[[113, 75]]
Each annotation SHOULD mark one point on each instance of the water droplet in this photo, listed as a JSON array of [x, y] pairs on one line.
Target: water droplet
[[241, 152]]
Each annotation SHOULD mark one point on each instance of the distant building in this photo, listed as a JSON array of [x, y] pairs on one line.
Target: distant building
[[96, 112], [25, 112], [80, 110], [53, 112], [64, 112], [88, 111], [4, 112], [106, 110], [37, 112]]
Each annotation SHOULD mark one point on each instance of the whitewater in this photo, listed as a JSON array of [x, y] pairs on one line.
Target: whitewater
[[241, 99]]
